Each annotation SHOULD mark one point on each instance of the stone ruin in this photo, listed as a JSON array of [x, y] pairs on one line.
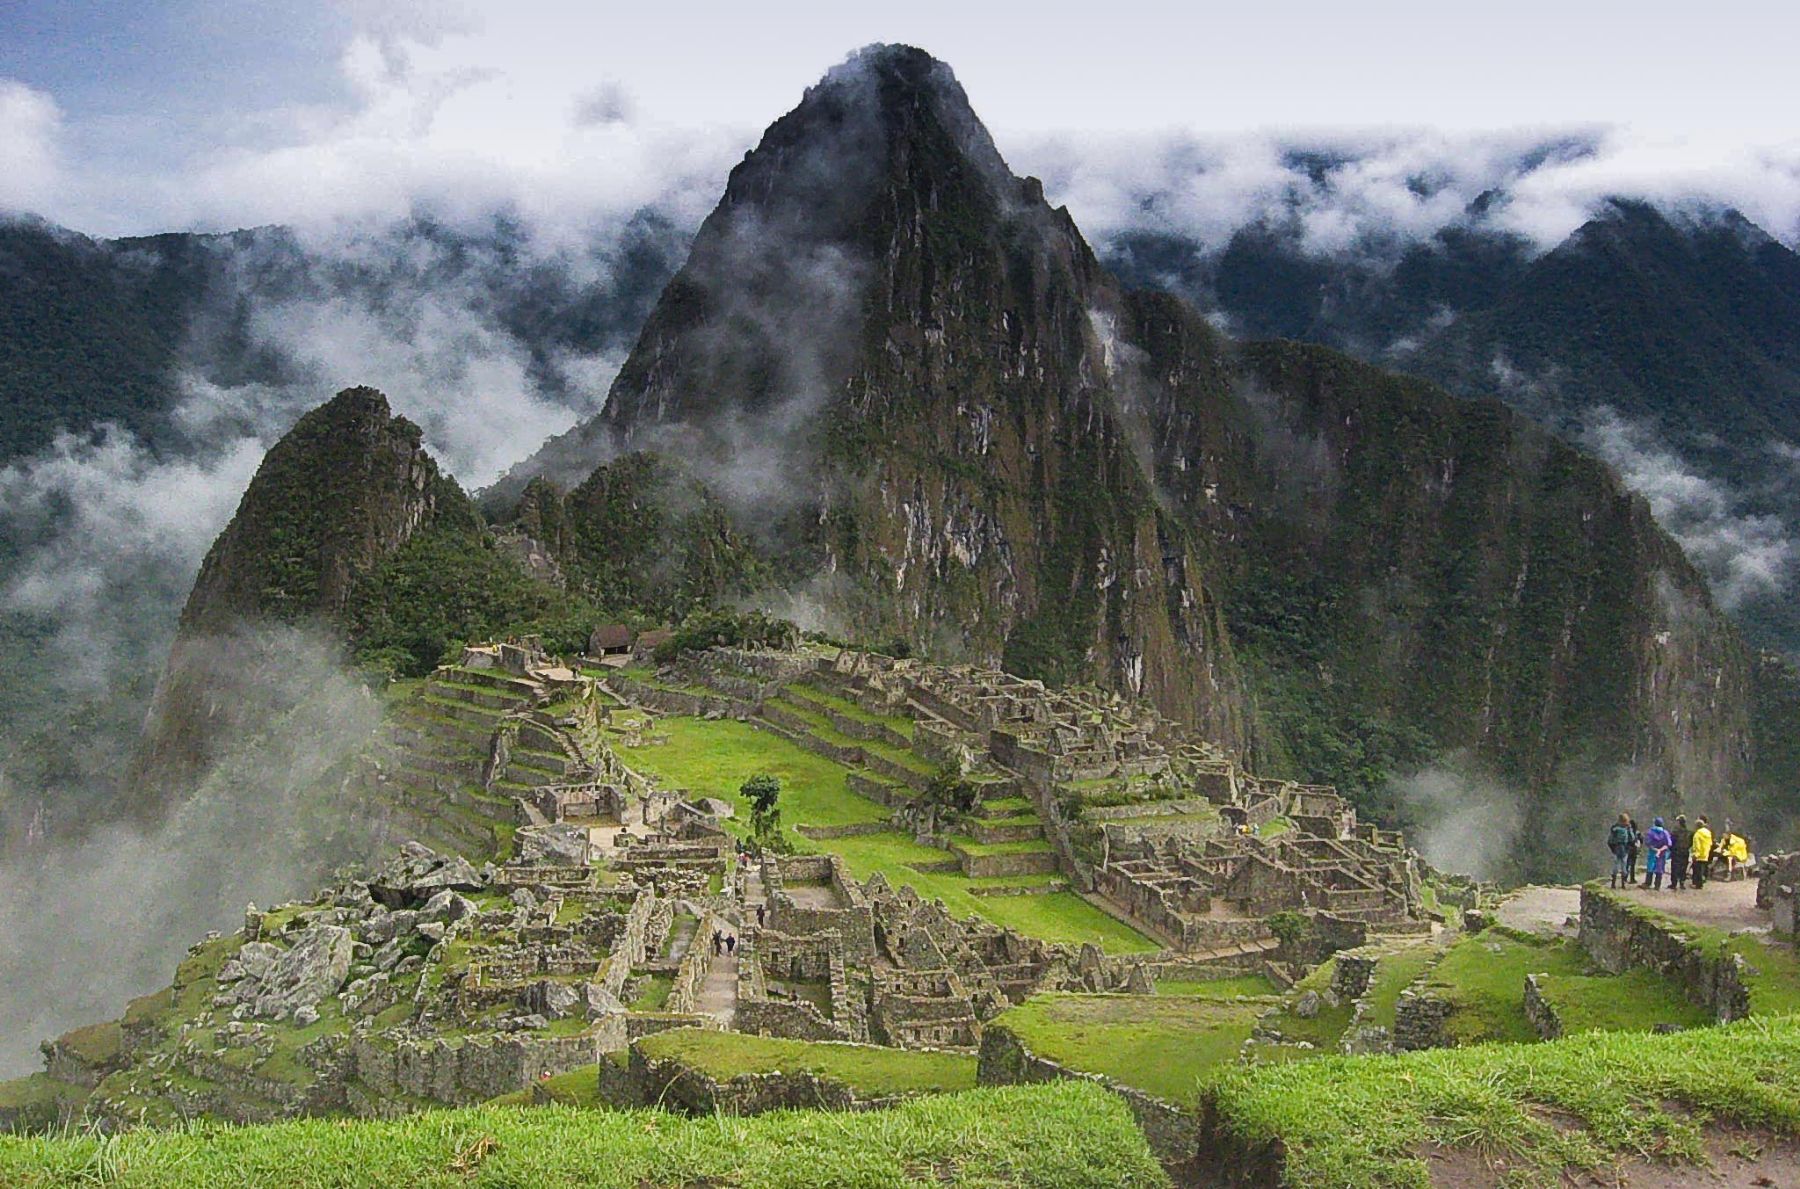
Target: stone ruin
[[1778, 877], [534, 964]]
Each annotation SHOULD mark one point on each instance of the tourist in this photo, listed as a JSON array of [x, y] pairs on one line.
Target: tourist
[[1656, 854], [718, 943], [1637, 844], [1682, 844], [731, 944], [760, 910], [1618, 841], [1700, 863], [1732, 848]]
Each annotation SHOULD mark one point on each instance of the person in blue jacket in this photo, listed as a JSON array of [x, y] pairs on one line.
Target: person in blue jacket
[[1657, 843]]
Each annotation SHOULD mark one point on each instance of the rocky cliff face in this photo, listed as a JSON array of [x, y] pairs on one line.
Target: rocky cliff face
[[347, 487], [1445, 566], [894, 362], [912, 383]]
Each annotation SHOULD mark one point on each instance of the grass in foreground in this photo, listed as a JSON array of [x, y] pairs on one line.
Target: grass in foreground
[[868, 1070], [1064, 1134], [1160, 1044], [1578, 1103]]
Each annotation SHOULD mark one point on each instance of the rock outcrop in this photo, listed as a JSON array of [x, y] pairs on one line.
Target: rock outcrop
[[350, 484]]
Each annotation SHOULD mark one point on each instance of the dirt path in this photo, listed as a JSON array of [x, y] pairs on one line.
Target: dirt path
[[1730, 906], [1539, 909]]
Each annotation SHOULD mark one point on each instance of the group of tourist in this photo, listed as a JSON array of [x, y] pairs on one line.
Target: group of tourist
[[1684, 856], [724, 943]]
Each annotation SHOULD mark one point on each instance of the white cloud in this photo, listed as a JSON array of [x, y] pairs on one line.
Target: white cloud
[[30, 167], [1743, 554], [1350, 191]]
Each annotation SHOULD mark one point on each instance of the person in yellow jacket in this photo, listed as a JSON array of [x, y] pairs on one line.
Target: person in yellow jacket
[[1700, 857], [1731, 847]]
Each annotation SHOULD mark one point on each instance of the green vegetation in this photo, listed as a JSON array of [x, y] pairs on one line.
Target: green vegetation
[[1394, 972], [1157, 1043], [869, 1070], [449, 586], [578, 1087], [1576, 1103], [714, 628], [1064, 1134], [709, 758], [654, 994], [1636, 1001], [763, 791], [1218, 988], [1483, 978]]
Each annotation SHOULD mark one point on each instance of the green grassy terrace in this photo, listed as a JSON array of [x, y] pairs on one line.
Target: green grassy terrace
[[868, 1070], [1771, 974], [1161, 1044], [1573, 1104], [713, 758], [1062, 1134]]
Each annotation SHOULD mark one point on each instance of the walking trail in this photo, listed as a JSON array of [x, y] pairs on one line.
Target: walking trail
[[718, 994]]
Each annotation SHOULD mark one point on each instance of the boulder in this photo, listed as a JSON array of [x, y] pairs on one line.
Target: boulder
[[390, 926], [447, 906], [562, 1001], [314, 966], [1307, 1006], [457, 874], [599, 1000]]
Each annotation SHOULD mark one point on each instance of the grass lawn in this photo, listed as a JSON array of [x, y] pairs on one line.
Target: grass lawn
[[1772, 973], [1218, 988], [578, 1087], [1064, 1134], [655, 993], [1157, 1043], [1635, 1001], [1483, 977], [1394, 972], [1546, 1109], [869, 1070], [713, 757]]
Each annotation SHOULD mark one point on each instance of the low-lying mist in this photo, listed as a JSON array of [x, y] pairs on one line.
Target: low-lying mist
[[95, 920]]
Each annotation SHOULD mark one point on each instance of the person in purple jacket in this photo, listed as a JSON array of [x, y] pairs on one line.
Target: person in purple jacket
[[1657, 842]]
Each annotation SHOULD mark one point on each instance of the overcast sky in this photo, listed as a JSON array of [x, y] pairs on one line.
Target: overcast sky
[[131, 115]]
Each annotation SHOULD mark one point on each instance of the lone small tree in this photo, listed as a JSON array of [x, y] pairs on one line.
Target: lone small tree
[[763, 791]]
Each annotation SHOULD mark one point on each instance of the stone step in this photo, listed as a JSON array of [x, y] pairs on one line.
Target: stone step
[[444, 707], [1006, 830], [485, 696]]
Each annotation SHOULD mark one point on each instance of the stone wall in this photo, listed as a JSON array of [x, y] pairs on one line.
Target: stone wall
[[695, 965], [1005, 863], [680, 702], [1777, 880], [852, 920], [682, 1087], [1171, 1129], [1419, 1022], [1619, 936], [1540, 1012], [478, 1068], [877, 791]]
